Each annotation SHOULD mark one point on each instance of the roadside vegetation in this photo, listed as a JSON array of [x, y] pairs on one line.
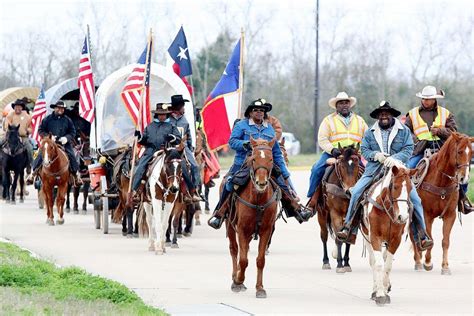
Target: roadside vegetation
[[31, 286]]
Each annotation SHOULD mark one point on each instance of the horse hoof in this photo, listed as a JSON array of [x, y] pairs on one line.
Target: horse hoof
[[261, 294], [135, 235], [67, 210], [428, 267], [238, 287], [129, 236], [174, 245], [267, 252], [84, 212], [389, 288], [207, 211], [187, 234], [348, 268], [76, 212], [22, 201], [381, 300], [50, 222], [179, 235], [168, 244], [387, 299], [445, 271], [60, 221], [159, 252], [13, 202], [151, 248], [198, 223], [124, 234], [418, 267], [326, 266], [340, 270], [41, 207], [373, 296]]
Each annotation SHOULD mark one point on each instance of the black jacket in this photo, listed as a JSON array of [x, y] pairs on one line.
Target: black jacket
[[183, 124], [59, 126], [155, 134]]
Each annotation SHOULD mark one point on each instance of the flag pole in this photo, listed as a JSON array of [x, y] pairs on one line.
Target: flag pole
[[140, 110], [90, 58], [241, 71]]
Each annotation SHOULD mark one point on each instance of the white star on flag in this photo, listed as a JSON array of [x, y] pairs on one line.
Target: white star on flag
[[182, 53]]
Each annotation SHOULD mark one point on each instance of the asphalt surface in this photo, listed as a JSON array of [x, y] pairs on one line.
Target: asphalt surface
[[196, 278]]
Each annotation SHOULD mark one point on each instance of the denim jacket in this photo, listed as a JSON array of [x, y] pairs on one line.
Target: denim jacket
[[242, 132], [400, 144]]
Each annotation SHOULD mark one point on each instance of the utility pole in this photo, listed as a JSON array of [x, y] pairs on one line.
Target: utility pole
[[316, 84]]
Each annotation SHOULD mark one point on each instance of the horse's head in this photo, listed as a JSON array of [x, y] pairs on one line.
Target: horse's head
[[261, 162], [171, 171], [13, 135], [395, 194], [458, 153], [48, 150], [347, 166]]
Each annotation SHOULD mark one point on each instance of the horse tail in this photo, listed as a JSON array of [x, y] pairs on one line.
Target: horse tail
[[142, 224]]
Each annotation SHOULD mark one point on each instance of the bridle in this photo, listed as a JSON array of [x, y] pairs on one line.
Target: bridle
[[46, 166], [253, 169], [458, 166]]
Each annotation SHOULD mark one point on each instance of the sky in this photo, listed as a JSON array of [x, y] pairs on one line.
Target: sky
[[278, 22]]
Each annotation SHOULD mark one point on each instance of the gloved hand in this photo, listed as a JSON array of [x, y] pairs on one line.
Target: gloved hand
[[380, 157], [53, 137], [137, 134], [63, 140], [246, 145], [390, 162], [336, 152]]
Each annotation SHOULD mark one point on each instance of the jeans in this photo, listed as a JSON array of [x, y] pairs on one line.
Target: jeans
[[414, 160], [141, 168], [196, 175], [317, 173]]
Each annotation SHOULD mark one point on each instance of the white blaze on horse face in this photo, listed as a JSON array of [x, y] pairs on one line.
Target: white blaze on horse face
[[175, 178], [402, 205], [262, 154], [350, 162], [46, 157], [466, 172]]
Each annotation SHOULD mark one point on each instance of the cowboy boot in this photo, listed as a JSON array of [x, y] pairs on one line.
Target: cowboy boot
[[464, 205], [220, 212]]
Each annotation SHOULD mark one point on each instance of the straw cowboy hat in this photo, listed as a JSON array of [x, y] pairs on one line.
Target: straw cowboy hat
[[430, 92], [342, 96]]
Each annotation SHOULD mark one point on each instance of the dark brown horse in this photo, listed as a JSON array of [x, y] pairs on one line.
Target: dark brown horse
[[253, 214], [333, 201], [439, 192], [54, 172], [385, 217]]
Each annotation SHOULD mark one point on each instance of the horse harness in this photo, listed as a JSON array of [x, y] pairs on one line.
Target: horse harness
[[56, 174]]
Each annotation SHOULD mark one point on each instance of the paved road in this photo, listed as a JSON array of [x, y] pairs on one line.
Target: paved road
[[196, 277]]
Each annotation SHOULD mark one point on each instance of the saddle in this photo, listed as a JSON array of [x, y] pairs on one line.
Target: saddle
[[153, 162]]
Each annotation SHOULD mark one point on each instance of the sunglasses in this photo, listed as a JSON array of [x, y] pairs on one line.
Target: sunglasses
[[258, 110]]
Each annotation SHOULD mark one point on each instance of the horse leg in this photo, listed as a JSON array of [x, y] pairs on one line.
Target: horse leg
[[129, 215], [428, 265], [340, 268], [416, 253], [206, 203], [68, 192], [175, 222], [197, 213], [151, 226], [377, 263], [49, 201], [347, 266], [386, 278], [75, 207], [85, 193], [262, 247], [60, 199], [166, 215], [234, 250], [124, 225], [267, 251], [244, 242], [179, 225], [448, 223], [14, 185], [190, 212], [22, 186], [324, 238]]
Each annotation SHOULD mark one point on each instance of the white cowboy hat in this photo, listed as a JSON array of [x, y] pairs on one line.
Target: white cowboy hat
[[430, 92], [342, 96]]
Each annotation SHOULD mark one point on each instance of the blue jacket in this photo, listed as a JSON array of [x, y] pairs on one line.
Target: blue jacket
[[400, 144], [242, 132]]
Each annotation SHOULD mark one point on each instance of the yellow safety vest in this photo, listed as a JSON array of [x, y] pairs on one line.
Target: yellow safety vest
[[345, 135], [421, 129]]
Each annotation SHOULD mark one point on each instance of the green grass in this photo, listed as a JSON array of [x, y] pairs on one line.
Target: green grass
[[304, 160], [470, 192], [31, 286]]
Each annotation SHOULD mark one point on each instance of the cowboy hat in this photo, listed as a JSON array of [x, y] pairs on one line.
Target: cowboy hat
[[19, 102], [430, 92], [59, 104], [177, 102], [162, 108], [259, 103], [342, 96], [384, 106]]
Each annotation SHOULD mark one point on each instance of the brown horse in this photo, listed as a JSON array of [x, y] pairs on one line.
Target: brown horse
[[439, 192], [253, 213], [385, 216], [54, 172], [333, 202]]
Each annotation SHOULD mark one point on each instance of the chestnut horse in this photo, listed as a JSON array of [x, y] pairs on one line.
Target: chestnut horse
[[439, 192], [164, 187], [54, 172], [333, 202], [386, 213], [253, 214]]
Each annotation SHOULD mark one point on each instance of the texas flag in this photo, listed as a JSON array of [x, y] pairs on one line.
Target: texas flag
[[221, 108], [179, 58]]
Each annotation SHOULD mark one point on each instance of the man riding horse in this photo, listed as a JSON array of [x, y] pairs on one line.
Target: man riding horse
[[178, 119], [62, 130], [431, 125], [156, 134], [387, 143], [255, 126], [343, 127], [19, 117]]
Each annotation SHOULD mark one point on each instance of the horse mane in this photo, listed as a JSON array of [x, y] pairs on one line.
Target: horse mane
[[349, 151], [173, 153]]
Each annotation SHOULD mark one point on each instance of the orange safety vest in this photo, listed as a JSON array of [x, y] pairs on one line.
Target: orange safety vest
[[345, 135], [421, 129]]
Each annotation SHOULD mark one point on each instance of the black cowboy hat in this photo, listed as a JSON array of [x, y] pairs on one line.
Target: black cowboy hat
[[177, 101], [162, 108], [19, 102], [259, 103], [59, 104], [384, 106]]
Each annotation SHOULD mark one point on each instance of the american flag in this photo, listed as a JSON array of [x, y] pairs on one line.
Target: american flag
[[138, 82], [39, 113], [86, 84]]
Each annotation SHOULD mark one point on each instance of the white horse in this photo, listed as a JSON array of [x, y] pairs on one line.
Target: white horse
[[163, 186]]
